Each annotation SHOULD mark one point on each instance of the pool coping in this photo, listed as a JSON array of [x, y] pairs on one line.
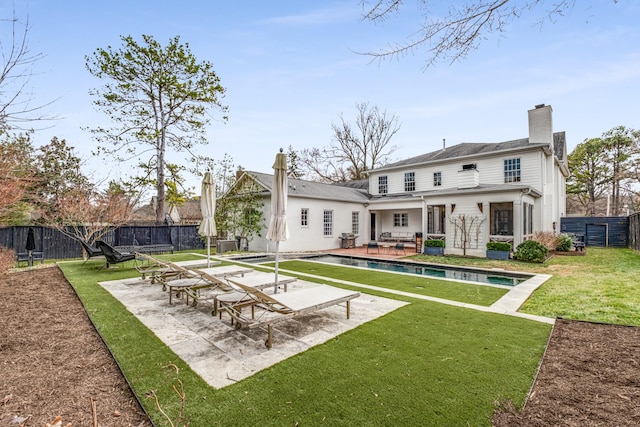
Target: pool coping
[[508, 304]]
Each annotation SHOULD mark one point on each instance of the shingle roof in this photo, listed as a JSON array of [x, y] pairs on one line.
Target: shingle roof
[[314, 190], [467, 149]]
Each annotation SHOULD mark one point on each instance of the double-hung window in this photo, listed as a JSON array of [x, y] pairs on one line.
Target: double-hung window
[[437, 179], [327, 225], [410, 181], [382, 185], [355, 222], [512, 170]]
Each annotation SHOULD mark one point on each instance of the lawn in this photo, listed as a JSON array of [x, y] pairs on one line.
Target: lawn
[[601, 286], [426, 363]]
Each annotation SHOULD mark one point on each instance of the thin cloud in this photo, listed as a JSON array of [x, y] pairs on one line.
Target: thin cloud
[[323, 16]]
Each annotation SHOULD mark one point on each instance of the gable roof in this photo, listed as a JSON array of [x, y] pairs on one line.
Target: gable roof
[[313, 190], [475, 149]]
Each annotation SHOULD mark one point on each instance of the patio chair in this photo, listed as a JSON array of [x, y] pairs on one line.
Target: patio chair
[[90, 250], [190, 282], [373, 245], [112, 255], [255, 279], [283, 306], [400, 247]]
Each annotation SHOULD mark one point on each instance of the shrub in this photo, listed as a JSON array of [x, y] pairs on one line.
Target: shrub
[[499, 246], [546, 239], [564, 242], [434, 243], [7, 258], [531, 251]]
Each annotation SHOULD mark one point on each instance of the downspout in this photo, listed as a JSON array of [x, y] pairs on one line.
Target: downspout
[[424, 205], [524, 191]]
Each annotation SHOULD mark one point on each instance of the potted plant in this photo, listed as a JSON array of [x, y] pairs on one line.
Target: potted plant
[[434, 247], [498, 250]]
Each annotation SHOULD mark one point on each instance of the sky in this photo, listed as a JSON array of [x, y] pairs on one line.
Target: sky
[[292, 68]]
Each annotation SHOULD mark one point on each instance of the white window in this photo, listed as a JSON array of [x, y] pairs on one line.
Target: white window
[[410, 181], [400, 219], [382, 185], [304, 217], [437, 179], [512, 170], [355, 222], [328, 223]]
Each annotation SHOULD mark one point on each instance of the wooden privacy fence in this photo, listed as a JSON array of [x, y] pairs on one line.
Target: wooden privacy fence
[[608, 231], [56, 245], [634, 231]]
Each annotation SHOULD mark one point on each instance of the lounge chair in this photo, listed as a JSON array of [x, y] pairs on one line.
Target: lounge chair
[[90, 250], [373, 245], [255, 279], [283, 306], [160, 270], [190, 282], [112, 255]]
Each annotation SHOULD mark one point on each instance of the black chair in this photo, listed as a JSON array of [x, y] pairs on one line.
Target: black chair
[[373, 245], [90, 250], [400, 247], [112, 255]]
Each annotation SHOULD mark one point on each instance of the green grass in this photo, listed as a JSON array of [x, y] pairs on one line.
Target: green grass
[[600, 287], [425, 363], [455, 291]]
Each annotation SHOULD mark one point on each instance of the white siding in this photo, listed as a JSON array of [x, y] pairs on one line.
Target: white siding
[[311, 237]]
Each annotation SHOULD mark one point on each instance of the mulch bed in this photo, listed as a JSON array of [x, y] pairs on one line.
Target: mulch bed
[[53, 363], [589, 376]]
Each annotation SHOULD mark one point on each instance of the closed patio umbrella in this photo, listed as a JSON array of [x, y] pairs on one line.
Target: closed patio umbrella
[[278, 230], [208, 208], [31, 245]]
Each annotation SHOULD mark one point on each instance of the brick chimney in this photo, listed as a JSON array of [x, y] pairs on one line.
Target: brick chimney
[[541, 125]]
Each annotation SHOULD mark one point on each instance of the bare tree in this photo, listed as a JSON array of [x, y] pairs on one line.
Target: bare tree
[[16, 69], [466, 231], [452, 36], [356, 148]]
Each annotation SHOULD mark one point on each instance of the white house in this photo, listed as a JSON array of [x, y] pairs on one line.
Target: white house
[[317, 214], [467, 194], [472, 193]]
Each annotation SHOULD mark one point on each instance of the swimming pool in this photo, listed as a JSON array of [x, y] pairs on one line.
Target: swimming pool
[[486, 277]]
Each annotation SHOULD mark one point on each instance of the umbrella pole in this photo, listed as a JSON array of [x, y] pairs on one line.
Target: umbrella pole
[[275, 289], [208, 251]]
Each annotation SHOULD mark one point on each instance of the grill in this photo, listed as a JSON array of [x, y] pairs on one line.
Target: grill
[[348, 240]]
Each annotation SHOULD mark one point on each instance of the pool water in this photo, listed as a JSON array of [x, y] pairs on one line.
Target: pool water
[[499, 278]]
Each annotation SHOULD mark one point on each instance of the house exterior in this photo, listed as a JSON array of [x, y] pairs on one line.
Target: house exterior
[[317, 214], [473, 193], [467, 194]]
